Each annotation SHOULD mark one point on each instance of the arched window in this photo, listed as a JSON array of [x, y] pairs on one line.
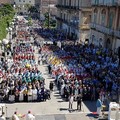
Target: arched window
[[101, 42], [108, 43], [111, 18], [96, 2], [103, 17], [95, 16]]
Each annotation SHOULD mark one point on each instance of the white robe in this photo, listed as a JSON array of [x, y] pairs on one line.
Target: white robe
[[30, 117]]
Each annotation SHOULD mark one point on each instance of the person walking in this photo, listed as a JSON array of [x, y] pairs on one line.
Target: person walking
[[15, 116], [71, 99], [49, 69], [51, 86], [79, 102], [99, 106], [30, 116]]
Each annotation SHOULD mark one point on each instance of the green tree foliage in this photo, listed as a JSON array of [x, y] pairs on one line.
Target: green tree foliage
[[6, 15], [49, 20], [32, 9]]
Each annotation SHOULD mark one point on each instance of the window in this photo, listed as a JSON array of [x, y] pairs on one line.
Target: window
[[101, 42], [111, 17], [29, 1], [95, 16], [103, 17], [19, 0]]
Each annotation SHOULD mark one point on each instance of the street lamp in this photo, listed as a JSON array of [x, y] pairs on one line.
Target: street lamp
[[5, 42], [49, 14]]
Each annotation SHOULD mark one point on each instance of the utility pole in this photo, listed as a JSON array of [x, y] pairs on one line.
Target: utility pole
[[49, 14]]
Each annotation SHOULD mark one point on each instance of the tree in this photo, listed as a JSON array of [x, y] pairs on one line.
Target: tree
[[33, 9], [6, 15], [27, 6]]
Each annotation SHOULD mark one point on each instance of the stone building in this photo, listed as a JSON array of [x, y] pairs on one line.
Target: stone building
[[48, 6], [23, 5], [105, 25], [74, 17], [6, 1]]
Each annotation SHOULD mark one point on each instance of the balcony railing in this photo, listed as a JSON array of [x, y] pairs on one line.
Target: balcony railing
[[102, 29], [84, 26], [117, 33], [62, 20], [68, 7], [105, 30], [105, 2], [74, 24]]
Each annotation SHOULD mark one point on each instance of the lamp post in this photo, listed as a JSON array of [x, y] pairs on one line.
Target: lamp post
[[5, 42], [49, 14]]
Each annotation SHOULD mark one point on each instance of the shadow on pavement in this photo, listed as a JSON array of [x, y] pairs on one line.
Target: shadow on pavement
[[91, 105], [61, 109], [92, 115], [61, 101], [57, 93]]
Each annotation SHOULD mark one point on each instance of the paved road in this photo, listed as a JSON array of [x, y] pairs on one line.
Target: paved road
[[54, 109], [63, 117]]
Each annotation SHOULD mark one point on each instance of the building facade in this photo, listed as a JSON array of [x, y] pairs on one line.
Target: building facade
[[74, 17], [48, 6], [23, 5], [105, 25], [6, 1]]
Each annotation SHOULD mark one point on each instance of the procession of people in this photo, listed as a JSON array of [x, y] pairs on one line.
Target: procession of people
[[82, 69], [82, 72], [21, 80]]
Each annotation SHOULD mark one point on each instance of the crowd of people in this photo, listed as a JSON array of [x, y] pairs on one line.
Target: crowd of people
[[20, 79], [28, 116], [84, 69], [90, 70], [51, 34], [81, 72]]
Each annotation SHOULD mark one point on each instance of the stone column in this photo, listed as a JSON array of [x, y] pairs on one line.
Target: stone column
[[115, 26]]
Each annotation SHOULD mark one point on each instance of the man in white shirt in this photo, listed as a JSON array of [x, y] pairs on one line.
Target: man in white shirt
[[71, 99], [15, 117], [30, 116]]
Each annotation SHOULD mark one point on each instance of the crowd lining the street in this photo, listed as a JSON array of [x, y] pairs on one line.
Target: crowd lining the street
[[20, 79], [86, 69]]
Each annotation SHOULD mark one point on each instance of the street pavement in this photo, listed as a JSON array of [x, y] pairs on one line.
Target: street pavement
[[53, 109]]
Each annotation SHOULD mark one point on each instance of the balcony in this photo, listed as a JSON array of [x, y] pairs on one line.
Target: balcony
[[105, 30], [62, 20], [75, 7], [102, 29], [105, 2], [58, 6], [85, 27], [59, 19], [74, 24], [68, 7]]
